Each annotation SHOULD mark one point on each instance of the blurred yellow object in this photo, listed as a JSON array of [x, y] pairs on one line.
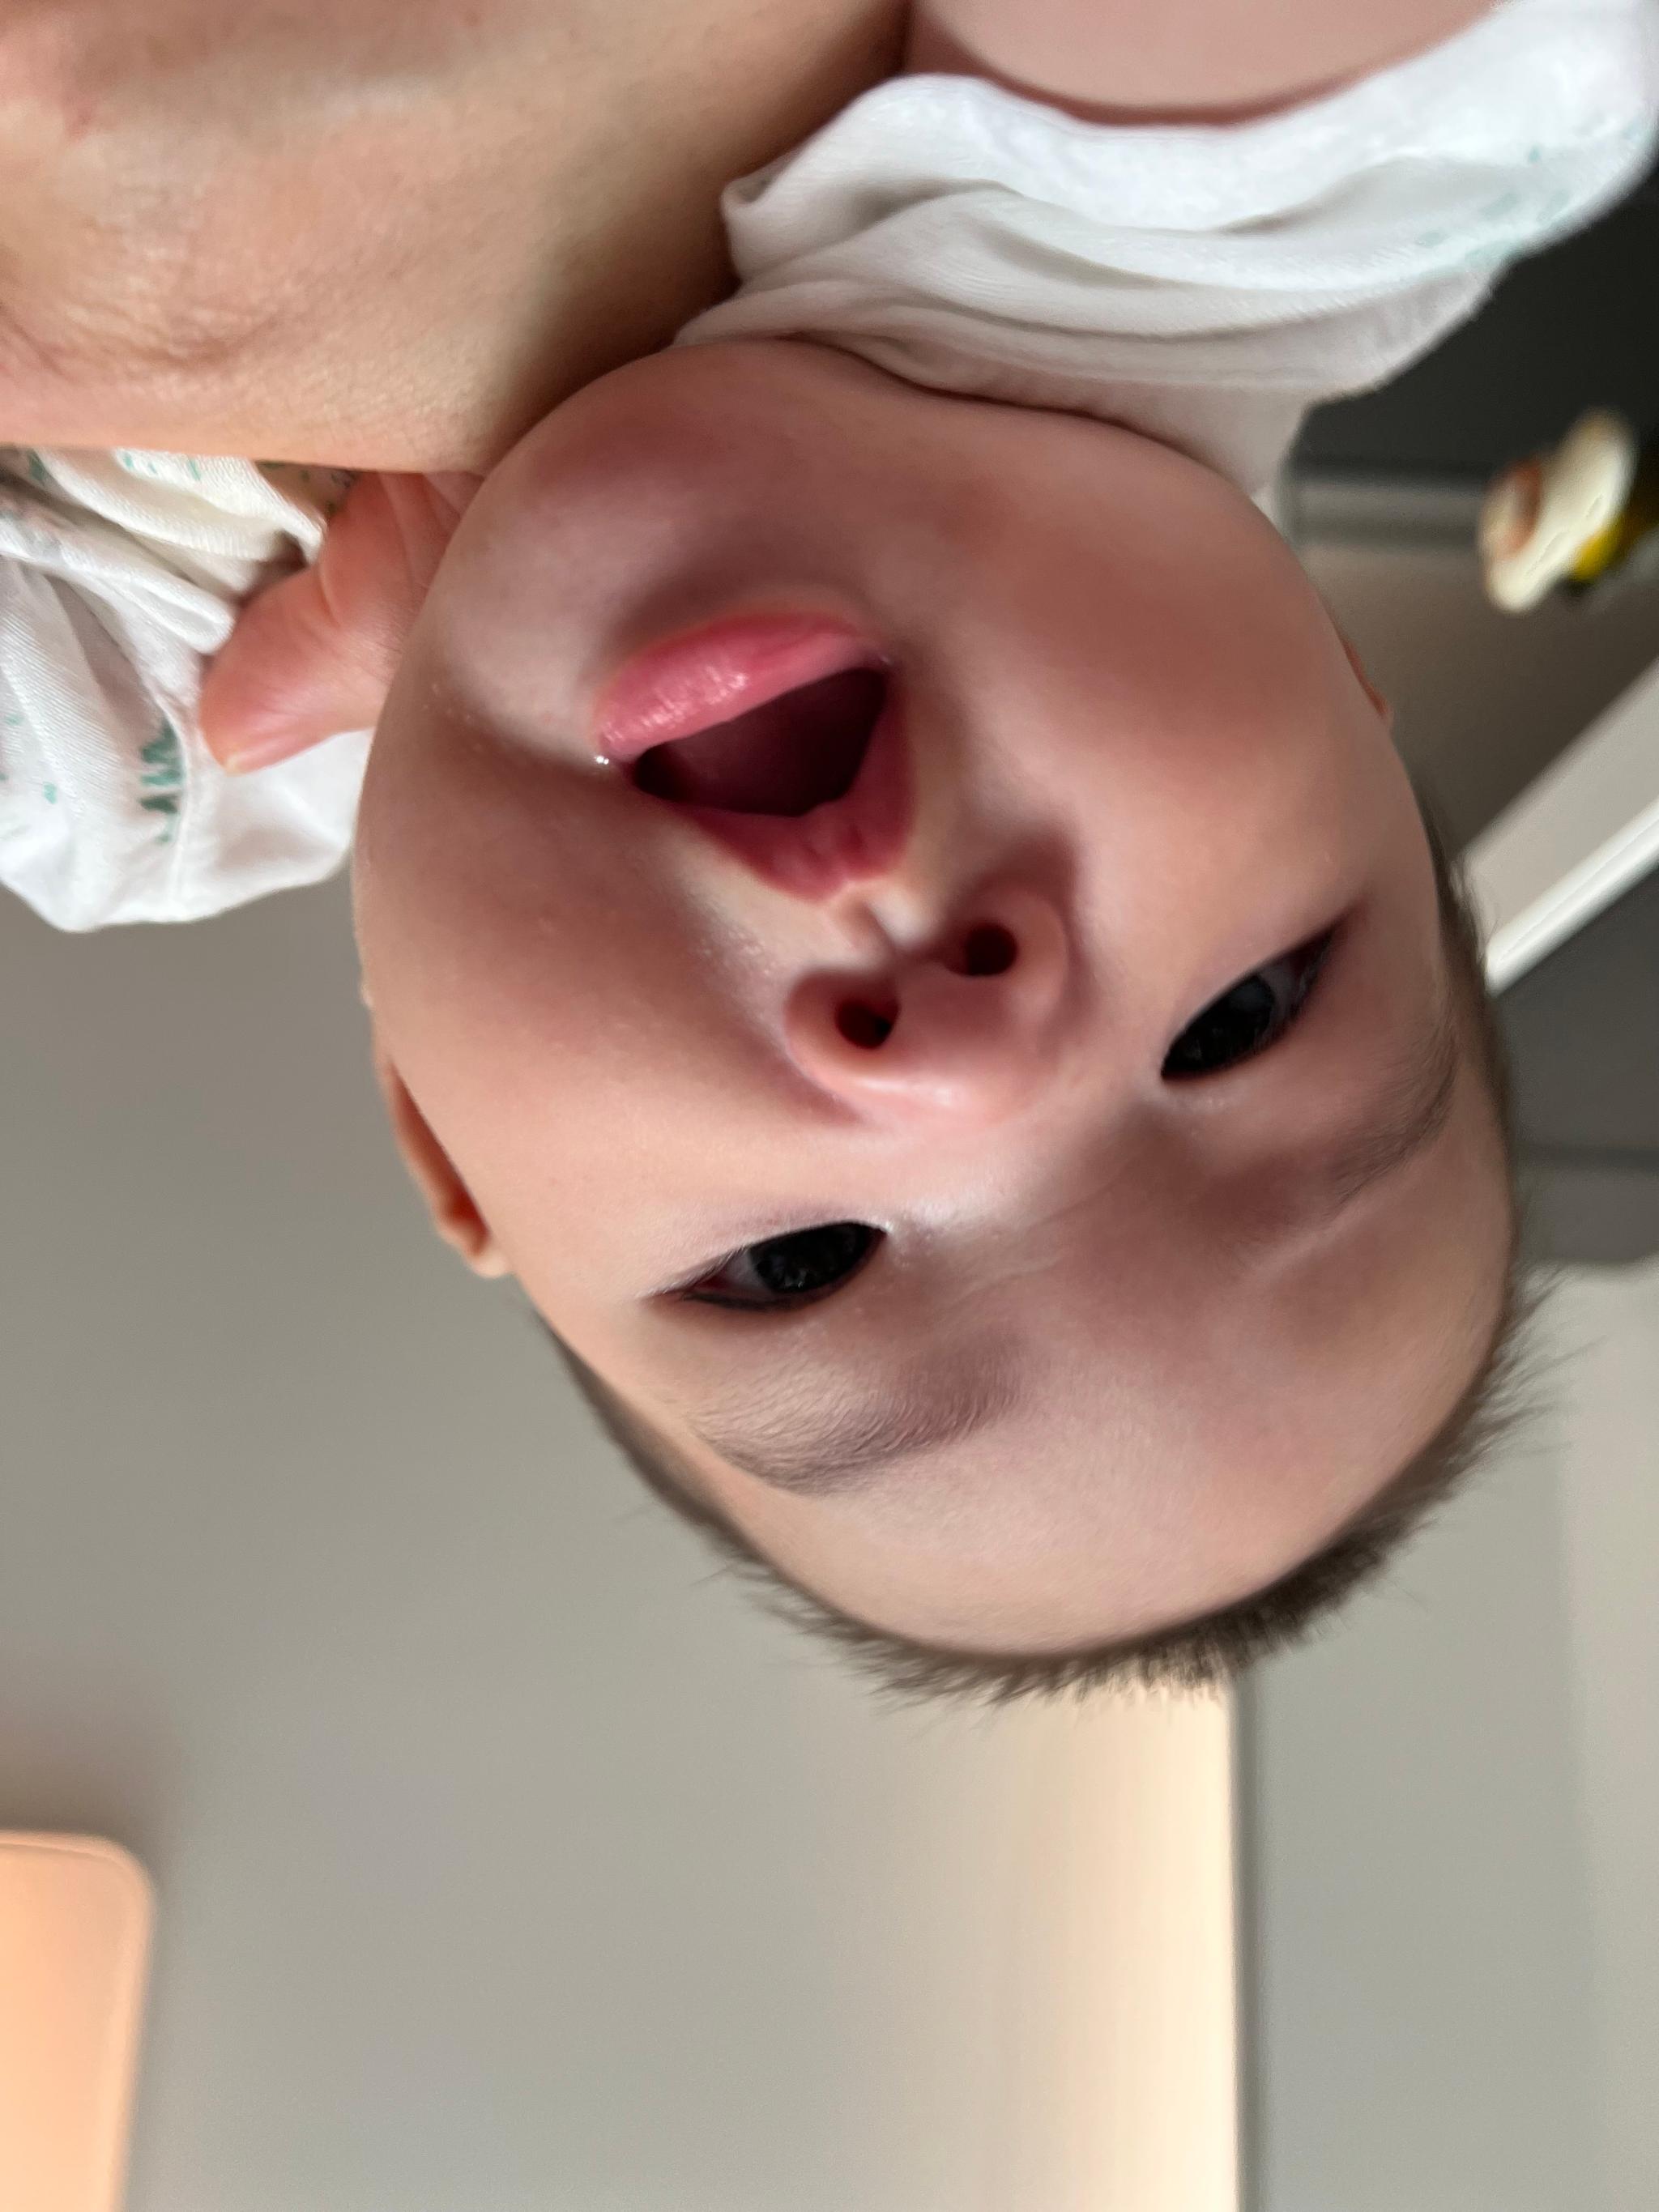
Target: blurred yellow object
[[1560, 515], [1599, 556], [75, 1929]]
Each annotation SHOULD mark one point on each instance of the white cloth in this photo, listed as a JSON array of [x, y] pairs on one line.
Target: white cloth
[[1203, 285], [120, 576]]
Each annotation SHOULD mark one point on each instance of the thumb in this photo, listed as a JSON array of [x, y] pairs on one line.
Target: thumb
[[315, 655]]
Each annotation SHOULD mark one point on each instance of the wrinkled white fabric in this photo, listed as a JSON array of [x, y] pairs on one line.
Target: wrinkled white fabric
[[120, 576], [1203, 285]]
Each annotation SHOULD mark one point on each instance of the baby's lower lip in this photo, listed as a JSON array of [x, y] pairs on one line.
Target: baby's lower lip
[[852, 839], [688, 683]]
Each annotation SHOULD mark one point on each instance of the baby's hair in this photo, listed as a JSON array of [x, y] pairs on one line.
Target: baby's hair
[[1209, 1652]]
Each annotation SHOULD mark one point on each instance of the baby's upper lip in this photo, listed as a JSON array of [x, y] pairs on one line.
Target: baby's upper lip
[[690, 682]]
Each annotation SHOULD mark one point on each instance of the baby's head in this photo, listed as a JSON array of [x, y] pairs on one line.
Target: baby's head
[[899, 920]]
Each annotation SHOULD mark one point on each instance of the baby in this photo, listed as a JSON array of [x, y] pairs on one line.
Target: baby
[[886, 903]]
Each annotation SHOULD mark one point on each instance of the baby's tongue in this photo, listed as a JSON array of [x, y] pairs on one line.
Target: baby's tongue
[[786, 758]]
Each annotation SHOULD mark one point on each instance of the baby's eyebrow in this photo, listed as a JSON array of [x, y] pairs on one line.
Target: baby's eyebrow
[[786, 1438]]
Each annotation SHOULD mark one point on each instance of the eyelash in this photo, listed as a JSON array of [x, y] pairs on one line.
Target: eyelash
[[858, 1242], [855, 1241], [1306, 962]]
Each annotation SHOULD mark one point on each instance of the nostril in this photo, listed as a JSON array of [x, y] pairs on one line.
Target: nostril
[[988, 949], [866, 1022], [864, 1025]]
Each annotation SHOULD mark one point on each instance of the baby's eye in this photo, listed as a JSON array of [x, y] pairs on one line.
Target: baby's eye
[[1254, 1014], [788, 1271]]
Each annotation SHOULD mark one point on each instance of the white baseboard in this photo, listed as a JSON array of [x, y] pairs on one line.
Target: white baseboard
[[1575, 840]]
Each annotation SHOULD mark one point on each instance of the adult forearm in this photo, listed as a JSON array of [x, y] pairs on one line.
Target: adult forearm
[[1198, 58], [383, 233]]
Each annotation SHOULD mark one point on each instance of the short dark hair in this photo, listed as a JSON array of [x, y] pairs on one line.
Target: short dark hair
[[1207, 1653]]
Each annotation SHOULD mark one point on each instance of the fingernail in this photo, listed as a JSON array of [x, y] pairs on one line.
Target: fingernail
[[252, 752]]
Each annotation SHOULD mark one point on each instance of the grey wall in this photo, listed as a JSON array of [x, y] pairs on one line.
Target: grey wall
[[1483, 701], [1486, 701], [506, 1862], [1583, 1033], [1574, 326], [1450, 1804]]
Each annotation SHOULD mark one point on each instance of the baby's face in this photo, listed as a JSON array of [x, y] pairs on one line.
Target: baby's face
[[974, 1063]]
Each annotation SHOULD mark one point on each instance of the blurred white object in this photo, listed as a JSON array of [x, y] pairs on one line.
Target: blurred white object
[[1574, 841], [75, 1928], [1542, 516], [1204, 286], [120, 577]]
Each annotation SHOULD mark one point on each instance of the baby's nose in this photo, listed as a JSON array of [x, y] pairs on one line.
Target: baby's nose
[[968, 1032]]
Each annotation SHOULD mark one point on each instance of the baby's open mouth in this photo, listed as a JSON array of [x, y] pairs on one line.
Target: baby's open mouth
[[810, 789], [779, 735], [796, 752]]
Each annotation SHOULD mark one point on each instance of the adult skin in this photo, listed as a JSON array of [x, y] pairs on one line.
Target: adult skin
[[393, 234], [378, 233], [1219, 60]]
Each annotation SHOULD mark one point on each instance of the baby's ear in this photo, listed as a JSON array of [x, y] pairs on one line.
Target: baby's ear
[[454, 1210], [1383, 706], [315, 655]]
